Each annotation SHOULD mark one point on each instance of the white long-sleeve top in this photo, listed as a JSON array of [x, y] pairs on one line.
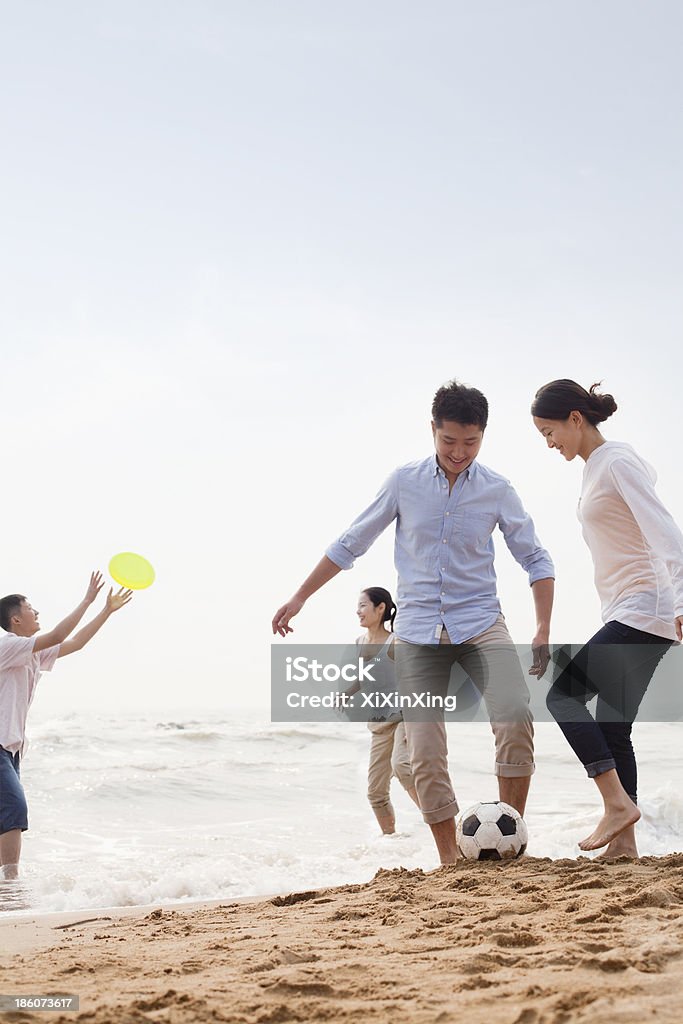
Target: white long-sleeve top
[[636, 546]]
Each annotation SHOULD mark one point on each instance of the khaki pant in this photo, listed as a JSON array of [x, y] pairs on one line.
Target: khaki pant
[[491, 662], [388, 756]]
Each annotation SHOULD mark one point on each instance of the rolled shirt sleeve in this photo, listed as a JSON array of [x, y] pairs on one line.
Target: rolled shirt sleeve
[[657, 525], [519, 532], [367, 527]]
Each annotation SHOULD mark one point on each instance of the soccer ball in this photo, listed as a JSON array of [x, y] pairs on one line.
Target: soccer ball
[[492, 831]]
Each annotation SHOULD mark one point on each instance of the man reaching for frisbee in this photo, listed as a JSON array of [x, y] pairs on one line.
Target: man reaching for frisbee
[[23, 657]]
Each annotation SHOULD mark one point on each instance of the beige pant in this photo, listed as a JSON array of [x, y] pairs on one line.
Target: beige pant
[[388, 756], [491, 662]]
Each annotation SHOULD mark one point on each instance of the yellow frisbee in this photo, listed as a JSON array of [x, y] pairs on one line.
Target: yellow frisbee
[[131, 570]]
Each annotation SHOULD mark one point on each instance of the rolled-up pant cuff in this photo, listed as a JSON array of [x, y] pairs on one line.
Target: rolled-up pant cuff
[[441, 813], [514, 771], [380, 803], [600, 767]]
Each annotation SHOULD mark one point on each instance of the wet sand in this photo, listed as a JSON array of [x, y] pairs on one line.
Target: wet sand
[[526, 942]]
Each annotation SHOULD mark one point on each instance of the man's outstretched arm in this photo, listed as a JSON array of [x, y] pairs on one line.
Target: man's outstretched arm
[[114, 602], [324, 571], [67, 625], [354, 542], [520, 536]]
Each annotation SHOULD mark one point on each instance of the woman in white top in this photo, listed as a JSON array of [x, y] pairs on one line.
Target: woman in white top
[[637, 551], [388, 750]]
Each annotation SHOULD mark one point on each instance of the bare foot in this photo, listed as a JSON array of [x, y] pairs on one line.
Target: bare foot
[[458, 856], [611, 825], [623, 846], [444, 837], [616, 850]]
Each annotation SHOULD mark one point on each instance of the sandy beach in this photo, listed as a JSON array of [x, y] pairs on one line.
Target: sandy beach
[[533, 941]]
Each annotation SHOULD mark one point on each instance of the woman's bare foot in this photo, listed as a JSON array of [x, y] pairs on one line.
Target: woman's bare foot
[[613, 822], [623, 846]]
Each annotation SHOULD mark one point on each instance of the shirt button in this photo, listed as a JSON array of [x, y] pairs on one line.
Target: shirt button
[[443, 593], [443, 568], [448, 513], [443, 541]]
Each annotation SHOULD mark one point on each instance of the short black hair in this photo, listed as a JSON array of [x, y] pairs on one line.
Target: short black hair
[[461, 404], [9, 606]]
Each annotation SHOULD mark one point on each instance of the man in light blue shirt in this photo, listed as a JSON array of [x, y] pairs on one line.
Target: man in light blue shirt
[[446, 508]]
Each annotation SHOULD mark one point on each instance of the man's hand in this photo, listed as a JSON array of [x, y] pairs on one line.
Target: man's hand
[[118, 599], [94, 587], [283, 615], [679, 627], [540, 650]]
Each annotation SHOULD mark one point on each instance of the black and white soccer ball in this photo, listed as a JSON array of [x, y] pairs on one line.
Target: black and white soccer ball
[[493, 831]]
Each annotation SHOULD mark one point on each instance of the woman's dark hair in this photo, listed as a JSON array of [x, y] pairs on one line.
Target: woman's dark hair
[[460, 404], [555, 401], [378, 596]]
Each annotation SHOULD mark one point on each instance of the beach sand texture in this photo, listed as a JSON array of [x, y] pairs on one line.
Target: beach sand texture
[[525, 942]]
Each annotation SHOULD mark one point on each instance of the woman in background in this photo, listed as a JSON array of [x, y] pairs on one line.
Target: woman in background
[[637, 551], [388, 750]]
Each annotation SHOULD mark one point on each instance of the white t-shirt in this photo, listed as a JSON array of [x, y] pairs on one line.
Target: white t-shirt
[[20, 671], [636, 546]]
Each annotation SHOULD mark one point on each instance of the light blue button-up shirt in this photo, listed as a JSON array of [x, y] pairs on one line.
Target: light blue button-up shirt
[[443, 550]]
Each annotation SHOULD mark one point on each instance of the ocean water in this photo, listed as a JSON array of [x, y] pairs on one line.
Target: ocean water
[[138, 809]]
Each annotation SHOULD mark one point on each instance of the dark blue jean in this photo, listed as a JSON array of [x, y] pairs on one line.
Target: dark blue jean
[[617, 665], [13, 809]]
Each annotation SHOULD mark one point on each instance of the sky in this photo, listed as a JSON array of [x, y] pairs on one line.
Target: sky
[[244, 243]]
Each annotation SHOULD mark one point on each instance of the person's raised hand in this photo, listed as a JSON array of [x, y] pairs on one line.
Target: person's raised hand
[[679, 627], [118, 599], [282, 616], [94, 587]]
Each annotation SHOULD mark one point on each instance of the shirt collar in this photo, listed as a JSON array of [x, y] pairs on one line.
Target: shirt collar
[[436, 469]]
